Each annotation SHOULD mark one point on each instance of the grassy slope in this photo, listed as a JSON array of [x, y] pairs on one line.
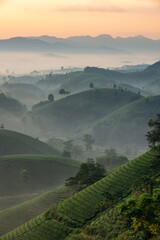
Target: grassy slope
[[16, 143], [43, 172], [78, 210], [127, 125], [78, 111], [11, 106], [18, 215], [28, 94]]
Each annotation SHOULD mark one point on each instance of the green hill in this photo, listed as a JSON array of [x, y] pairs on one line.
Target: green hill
[[17, 143], [27, 94], [75, 81], [18, 215], [42, 172], [71, 216], [74, 113], [10, 105], [127, 125]]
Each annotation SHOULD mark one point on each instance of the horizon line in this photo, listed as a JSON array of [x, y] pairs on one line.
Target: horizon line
[[72, 36]]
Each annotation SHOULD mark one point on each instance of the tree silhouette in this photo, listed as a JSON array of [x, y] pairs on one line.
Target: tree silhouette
[[153, 136]]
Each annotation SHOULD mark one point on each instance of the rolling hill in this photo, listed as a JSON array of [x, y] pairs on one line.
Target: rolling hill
[[75, 113], [102, 78], [71, 217], [11, 106], [27, 94], [17, 143], [127, 125], [32, 173]]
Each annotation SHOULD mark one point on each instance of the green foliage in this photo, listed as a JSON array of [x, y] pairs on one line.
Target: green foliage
[[143, 214], [112, 159], [153, 136], [24, 175], [88, 140], [66, 154], [68, 145], [81, 210], [2, 126], [50, 97], [91, 85], [89, 173]]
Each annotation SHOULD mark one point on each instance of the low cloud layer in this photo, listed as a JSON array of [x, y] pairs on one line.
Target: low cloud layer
[[88, 8]]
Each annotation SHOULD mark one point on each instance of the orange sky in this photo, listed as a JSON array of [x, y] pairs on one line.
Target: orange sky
[[64, 18]]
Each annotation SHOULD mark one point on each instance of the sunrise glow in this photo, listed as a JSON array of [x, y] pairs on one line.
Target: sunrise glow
[[64, 18]]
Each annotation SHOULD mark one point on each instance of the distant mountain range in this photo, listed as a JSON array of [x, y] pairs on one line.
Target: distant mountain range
[[81, 44]]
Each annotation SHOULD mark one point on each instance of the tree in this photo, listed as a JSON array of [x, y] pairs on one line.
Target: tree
[[2, 126], [66, 154], [153, 136], [62, 91], [143, 214], [112, 159], [77, 151], [110, 152], [50, 97], [91, 85], [89, 140], [24, 177], [68, 145], [89, 173]]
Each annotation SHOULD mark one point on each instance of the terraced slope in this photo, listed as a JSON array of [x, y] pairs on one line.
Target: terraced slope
[[18, 215], [77, 210], [43, 172], [17, 143]]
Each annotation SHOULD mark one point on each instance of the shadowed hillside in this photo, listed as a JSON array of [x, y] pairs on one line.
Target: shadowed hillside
[[32, 173], [128, 125], [75, 113], [16, 143]]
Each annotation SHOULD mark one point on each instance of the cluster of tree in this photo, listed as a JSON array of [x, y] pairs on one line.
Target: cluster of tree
[[88, 141], [89, 173], [112, 159], [142, 216], [153, 136], [62, 92], [42, 103], [71, 150]]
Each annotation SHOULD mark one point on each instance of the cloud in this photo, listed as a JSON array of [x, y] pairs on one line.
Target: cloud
[[88, 8]]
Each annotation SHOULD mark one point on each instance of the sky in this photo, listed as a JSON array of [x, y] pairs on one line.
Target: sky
[[64, 18]]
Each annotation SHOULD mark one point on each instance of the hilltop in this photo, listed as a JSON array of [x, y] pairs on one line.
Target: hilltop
[[32, 173], [102, 78], [85, 215], [76, 112], [12, 142]]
